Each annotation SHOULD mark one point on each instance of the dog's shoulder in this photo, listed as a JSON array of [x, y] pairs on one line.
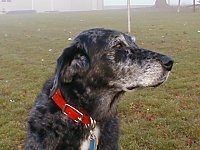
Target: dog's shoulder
[[43, 103]]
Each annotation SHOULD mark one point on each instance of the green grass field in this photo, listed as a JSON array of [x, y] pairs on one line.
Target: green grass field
[[164, 118]]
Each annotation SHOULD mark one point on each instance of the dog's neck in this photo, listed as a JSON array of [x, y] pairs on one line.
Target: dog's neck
[[96, 101]]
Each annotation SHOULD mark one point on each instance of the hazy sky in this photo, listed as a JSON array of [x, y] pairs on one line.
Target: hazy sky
[[143, 2]]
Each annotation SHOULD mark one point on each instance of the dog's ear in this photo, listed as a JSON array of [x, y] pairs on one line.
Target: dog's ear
[[73, 63]]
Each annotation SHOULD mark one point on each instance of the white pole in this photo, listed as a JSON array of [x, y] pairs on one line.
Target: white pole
[[179, 5], [52, 5], [194, 5], [32, 4], [129, 16]]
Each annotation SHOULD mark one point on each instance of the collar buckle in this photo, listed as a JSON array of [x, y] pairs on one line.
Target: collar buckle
[[76, 114]]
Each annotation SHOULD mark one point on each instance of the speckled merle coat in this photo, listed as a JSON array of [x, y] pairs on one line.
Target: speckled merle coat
[[93, 72]]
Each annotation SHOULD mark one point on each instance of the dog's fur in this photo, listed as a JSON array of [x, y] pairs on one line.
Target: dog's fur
[[98, 67]]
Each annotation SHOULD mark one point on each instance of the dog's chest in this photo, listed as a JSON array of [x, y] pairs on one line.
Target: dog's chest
[[85, 144]]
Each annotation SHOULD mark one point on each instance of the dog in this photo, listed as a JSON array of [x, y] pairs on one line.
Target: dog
[[77, 106]]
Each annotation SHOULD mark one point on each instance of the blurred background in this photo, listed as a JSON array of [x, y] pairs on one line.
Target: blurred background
[[33, 34]]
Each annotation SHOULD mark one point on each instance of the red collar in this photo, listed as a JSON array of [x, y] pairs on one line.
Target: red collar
[[73, 113]]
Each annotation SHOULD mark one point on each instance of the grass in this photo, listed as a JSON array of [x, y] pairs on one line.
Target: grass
[[164, 118]]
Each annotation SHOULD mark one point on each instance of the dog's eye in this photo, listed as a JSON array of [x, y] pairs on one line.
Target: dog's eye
[[119, 45]]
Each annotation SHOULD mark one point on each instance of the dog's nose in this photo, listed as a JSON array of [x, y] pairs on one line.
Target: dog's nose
[[167, 62]]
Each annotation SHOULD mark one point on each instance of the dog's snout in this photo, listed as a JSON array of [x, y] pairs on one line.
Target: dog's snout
[[167, 62]]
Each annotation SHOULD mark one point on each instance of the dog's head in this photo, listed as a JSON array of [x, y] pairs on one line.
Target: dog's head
[[111, 59]]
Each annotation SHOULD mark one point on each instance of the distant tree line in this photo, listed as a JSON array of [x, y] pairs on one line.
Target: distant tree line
[[163, 4]]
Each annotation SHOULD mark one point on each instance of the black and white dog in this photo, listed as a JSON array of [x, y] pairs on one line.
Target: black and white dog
[[81, 99]]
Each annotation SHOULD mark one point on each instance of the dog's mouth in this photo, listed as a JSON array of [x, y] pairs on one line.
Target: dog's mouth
[[131, 88], [141, 83], [155, 84]]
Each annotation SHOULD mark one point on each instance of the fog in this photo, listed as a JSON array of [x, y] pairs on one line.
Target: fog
[[144, 2], [50, 5], [72, 5]]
